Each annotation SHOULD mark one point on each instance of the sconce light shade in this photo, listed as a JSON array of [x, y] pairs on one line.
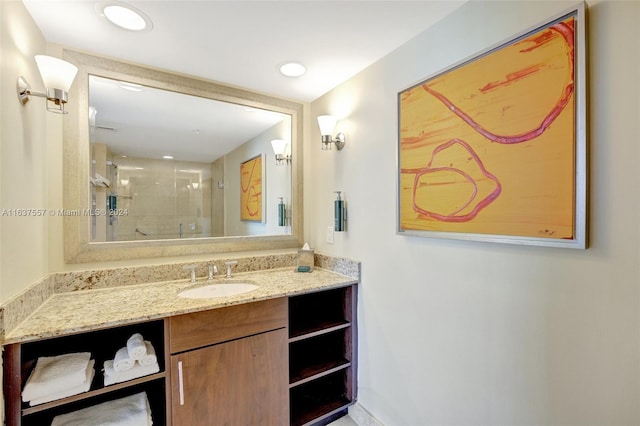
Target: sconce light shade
[[327, 124], [57, 76], [280, 149], [279, 146], [55, 72]]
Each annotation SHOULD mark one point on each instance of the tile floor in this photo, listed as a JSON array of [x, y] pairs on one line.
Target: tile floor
[[343, 421]]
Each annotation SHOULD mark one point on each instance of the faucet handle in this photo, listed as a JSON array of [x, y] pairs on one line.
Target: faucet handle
[[229, 264], [191, 268]]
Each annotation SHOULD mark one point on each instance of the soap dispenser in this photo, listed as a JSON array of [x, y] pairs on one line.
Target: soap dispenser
[[282, 212], [339, 213]]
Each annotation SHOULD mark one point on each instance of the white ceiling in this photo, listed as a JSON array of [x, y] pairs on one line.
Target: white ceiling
[[243, 42], [239, 42]]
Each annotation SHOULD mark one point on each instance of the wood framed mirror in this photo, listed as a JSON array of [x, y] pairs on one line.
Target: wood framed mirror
[[87, 199]]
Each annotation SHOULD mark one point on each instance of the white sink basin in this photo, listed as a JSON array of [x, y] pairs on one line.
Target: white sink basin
[[217, 290]]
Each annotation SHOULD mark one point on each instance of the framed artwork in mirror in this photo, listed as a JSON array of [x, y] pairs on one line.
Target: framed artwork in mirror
[[494, 148], [251, 186]]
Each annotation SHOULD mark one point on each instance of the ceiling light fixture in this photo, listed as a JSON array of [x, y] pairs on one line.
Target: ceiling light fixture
[[167, 157], [125, 16], [292, 69]]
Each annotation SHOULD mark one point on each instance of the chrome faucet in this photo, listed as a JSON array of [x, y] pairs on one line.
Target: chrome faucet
[[229, 265], [213, 269]]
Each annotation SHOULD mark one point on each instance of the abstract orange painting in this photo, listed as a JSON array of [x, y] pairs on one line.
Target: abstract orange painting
[[251, 189], [490, 147]]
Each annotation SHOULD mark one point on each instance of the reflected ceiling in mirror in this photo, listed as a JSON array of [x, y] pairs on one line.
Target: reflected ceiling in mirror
[[143, 121], [172, 162]]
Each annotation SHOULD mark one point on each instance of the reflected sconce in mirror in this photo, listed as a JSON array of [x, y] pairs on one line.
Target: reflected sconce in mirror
[[281, 149], [92, 118], [57, 76], [327, 124]]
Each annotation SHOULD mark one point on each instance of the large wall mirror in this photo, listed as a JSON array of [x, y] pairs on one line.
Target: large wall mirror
[[170, 165]]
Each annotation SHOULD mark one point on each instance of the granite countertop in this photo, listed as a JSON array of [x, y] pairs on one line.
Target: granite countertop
[[86, 310]]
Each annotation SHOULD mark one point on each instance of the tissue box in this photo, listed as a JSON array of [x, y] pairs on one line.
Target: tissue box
[[305, 260]]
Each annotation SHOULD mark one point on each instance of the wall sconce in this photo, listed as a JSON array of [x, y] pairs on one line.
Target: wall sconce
[[327, 124], [57, 76], [281, 148]]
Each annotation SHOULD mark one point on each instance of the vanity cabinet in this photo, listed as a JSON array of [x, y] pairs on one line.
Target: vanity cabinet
[[229, 365], [20, 359], [322, 355], [288, 360]]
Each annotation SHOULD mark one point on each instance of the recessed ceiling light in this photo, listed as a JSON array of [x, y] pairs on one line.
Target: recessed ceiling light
[[292, 69], [125, 16], [167, 157]]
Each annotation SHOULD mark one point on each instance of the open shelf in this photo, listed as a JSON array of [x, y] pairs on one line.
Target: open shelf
[[318, 399], [315, 313], [155, 394], [102, 344], [321, 355], [317, 356]]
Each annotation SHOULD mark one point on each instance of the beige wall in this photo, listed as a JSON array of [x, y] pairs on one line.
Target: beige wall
[[454, 332], [23, 155]]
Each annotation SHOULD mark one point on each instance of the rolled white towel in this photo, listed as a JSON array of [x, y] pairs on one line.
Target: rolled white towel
[[136, 346], [128, 411], [122, 361], [111, 376], [150, 357], [84, 387], [55, 374]]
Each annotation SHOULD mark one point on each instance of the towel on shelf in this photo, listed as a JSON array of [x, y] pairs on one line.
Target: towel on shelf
[[136, 346], [111, 376], [56, 374], [149, 358], [84, 387], [122, 361], [129, 411]]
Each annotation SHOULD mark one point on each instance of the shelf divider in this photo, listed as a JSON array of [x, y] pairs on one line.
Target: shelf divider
[[326, 327], [95, 392]]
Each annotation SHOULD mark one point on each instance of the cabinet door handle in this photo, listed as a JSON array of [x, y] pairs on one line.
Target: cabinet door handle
[[180, 383]]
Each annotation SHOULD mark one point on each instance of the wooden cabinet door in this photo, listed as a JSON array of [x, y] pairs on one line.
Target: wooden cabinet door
[[241, 382]]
